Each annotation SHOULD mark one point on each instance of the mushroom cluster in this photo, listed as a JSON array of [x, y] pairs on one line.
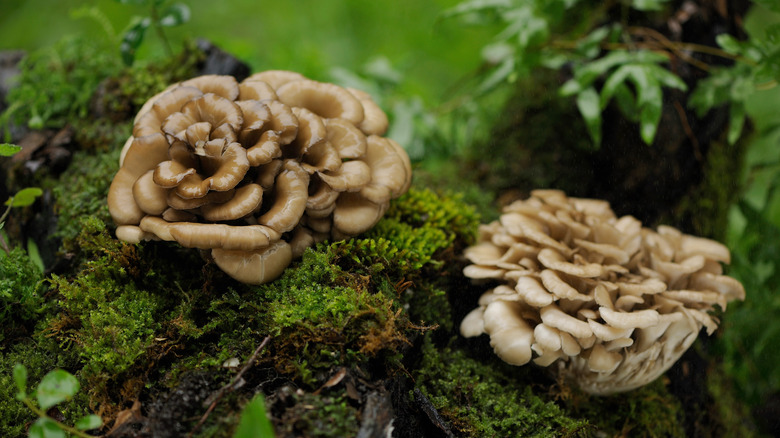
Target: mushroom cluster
[[612, 303], [256, 171]]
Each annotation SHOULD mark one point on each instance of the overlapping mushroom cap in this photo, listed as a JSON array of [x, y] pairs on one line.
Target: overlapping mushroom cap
[[612, 303], [256, 171]]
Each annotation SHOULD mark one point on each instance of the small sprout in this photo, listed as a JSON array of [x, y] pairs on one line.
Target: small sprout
[[56, 387], [254, 421], [7, 150]]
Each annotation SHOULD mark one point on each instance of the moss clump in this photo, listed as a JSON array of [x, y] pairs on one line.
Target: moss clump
[[56, 84], [313, 415], [21, 293], [704, 211], [649, 411], [123, 94], [479, 399], [81, 192], [108, 314]]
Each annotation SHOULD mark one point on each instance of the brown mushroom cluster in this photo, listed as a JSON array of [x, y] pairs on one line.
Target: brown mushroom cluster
[[256, 171], [613, 304]]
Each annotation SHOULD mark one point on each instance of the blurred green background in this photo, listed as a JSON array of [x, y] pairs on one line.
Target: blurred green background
[[309, 36]]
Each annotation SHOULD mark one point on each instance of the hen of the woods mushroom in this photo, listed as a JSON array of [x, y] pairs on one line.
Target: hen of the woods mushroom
[[256, 171], [613, 304]]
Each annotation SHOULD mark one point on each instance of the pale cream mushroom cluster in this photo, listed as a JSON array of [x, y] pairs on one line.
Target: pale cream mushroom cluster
[[256, 171], [613, 304]]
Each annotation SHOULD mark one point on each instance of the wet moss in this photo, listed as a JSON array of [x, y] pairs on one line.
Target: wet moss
[[21, 294], [314, 415], [480, 398], [649, 411], [81, 191]]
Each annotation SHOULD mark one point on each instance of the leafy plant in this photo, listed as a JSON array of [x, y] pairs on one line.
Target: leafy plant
[[56, 84], [22, 198], [161, 14], [56, 387], [254, 421], [619, 62]]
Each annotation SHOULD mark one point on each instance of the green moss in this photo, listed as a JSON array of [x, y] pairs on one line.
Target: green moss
[[81, 192], [649, 411], [21, 293], [733, 415], [318, 416], [123, 94], [56, 84], [480, 399], [704, 211]]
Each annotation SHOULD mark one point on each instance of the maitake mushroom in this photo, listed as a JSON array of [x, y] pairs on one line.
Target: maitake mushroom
[[256, 171], [613, 303]]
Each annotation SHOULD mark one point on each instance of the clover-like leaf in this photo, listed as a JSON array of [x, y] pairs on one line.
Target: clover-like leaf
[[24, 197], [648, 5], [55, 387], [45, 428], [7, 149], [132, 39], [175, 14], [20, 378], [89, 422]]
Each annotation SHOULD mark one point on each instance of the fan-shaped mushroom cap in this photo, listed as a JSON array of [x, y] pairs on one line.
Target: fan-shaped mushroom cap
[[257, 170], [254, 267], [374, 119], [256, 90], [345, 138], [354, 214], [323, 99], [245, 201], [614, 304], [510, 335], [389, 170], [275, 78], [291, 193]]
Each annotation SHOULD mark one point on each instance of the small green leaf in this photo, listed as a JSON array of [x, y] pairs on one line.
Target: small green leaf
[[589, 106], [499, 75], [736, 121], [590, 45], [570, 88], [45, 428], [7, 149], [254, 421], [472, 6], [729, 43], [34, 254], [55, 387], [89, 422], [648, 5], [176, 14], [649, 116], [615, 80], [627, 102], [24, 197], [132, 39], [20, 378]]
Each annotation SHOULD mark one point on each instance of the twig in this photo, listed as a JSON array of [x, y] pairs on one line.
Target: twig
[[229, 387]]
